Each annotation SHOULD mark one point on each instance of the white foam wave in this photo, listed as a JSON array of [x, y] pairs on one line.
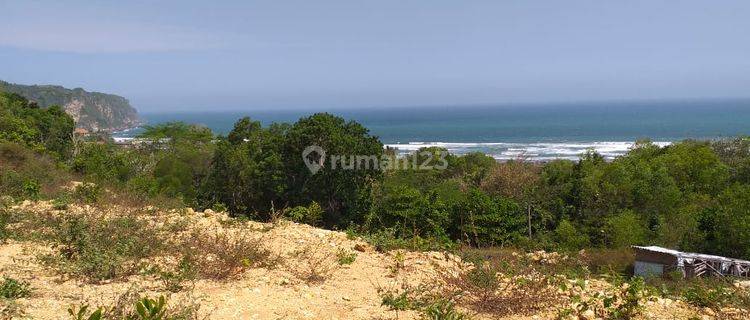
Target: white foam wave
[[537, 151]]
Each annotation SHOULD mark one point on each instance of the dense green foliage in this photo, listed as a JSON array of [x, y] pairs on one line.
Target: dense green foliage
[[691, 195], [41, 129], [258, 170], [33, 144]]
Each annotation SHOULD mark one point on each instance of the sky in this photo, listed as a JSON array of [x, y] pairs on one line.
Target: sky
[[244, 55]]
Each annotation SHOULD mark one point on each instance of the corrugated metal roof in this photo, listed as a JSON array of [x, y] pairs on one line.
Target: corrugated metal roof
[[689, 255]]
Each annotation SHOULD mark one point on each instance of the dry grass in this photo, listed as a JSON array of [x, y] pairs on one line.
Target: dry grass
[[317, 263], [99, 248], [502, 287], [225, 255]]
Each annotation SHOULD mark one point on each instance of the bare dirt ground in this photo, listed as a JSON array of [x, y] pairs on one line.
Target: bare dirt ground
[[282, 291]]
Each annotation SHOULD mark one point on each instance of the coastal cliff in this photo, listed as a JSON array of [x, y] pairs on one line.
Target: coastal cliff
[[93, 111]]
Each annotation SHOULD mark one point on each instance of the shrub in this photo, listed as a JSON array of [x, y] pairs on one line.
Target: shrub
[[396, 301], [87, 193], [386, 240], [701, 295], [130, 306], [61, 202], [220, 256], [174, 280], [345, 257], [312, 214], [219, 207], [443, 310], [25, 173], [4, 216], [605, 261], [525, 291], [13, 289], [31, 189], [317, 264], [100, 249]]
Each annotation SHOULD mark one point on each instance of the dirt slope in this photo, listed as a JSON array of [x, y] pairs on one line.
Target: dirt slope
[[273, 292]]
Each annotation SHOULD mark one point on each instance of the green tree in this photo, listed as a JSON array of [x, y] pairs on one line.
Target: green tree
[[568, 238], [484, 220], [342, 192], [45, 130], [410, 213], [625, 229], [730, 223], [248, 172], [182, 159]]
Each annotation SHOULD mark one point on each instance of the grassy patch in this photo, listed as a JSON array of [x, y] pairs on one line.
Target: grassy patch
[[99, 248], [12, 289]]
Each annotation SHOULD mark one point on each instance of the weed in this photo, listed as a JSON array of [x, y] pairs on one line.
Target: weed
[[87, 193], [13, 289], [6, 201], [484, 280], [11, 309], [443, 310], [151, 309], [220, 256], [317, 264], [707, 297], [100, 249], [4, 217], [714, 293], [61, 202], [623, 301], [396, 301], [346, 257], [423, 299], [174, 281], [630, 297], [351, 233], [81, 313], [177, 225], [130, 306], [399, 260], [481, 289], [31, 189]]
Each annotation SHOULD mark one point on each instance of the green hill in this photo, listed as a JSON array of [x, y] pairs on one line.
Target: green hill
[[93, 111]]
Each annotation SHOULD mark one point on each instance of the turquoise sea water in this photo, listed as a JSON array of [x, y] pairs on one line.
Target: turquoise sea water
[[540, 132]]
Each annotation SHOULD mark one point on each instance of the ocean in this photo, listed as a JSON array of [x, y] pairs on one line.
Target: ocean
[[532, 131]]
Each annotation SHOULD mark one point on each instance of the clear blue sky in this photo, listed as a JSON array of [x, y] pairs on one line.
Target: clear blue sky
[[198, 55]]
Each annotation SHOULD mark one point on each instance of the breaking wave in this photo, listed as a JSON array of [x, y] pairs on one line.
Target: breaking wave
[[537, 151]]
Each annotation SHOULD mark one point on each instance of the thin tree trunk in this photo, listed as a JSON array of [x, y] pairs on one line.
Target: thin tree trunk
[[529, 215]]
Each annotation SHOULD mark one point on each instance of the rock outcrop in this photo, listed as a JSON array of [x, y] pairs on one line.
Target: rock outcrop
[[93, 111]]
